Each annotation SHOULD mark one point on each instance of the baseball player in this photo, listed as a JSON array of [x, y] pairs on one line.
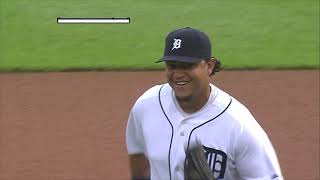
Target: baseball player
[[168, 118]]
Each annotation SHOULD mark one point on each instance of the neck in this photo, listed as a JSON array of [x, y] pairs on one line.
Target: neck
[[196, 102]]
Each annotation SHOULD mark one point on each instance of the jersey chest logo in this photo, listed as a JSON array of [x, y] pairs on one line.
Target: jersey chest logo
[[217, 161]]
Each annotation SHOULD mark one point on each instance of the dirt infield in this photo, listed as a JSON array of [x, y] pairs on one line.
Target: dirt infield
[[71, 126]]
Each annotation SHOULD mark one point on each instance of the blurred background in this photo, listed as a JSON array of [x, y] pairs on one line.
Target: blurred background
[[247, 34]]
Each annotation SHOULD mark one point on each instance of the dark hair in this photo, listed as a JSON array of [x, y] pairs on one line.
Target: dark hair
[[217, 66]]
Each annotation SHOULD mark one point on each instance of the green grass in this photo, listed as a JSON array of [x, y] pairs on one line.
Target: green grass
[[246, 34]]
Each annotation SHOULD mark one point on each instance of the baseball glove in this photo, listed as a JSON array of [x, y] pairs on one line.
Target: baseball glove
[[196, 166]]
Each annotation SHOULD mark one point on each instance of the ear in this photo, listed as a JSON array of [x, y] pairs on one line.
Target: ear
[[210, 66]]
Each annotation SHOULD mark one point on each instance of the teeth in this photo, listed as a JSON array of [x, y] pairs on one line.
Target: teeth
[[181, 83]]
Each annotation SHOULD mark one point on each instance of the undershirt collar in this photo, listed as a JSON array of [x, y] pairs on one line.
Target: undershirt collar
[[212, 97]]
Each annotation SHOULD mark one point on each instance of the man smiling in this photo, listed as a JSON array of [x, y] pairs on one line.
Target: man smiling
[[168, 118]]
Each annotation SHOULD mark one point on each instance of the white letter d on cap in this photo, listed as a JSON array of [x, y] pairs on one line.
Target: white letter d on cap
[[176, 44]]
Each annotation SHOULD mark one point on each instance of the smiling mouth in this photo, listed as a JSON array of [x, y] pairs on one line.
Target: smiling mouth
[[181, 83]]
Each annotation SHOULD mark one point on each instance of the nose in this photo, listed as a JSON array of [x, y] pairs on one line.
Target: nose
[[178, 73]]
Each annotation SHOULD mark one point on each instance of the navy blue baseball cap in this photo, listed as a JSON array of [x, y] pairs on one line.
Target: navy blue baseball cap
[[186, 45]]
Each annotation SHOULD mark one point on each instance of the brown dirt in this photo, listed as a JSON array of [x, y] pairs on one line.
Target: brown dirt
[[71, 126]]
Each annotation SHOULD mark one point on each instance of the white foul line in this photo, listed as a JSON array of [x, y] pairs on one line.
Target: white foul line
[[61, 20]]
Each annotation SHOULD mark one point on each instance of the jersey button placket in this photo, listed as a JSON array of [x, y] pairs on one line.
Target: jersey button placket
[[177, 168]]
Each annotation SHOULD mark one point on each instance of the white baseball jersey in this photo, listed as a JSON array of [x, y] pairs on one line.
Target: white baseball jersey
[[236, 147]]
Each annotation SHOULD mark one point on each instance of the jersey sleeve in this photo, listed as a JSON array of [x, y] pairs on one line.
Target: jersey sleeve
[[134, 135], [255, 156]]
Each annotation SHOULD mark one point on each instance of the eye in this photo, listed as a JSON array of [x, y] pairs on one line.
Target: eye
[[181, 66], [171, 66], [188, 66]]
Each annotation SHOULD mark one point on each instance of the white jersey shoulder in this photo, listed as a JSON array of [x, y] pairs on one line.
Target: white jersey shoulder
[[151, 93], [248, 145], [149, 100]]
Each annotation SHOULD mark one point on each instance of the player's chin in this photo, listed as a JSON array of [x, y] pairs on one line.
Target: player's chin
[[181, 91], [183, 98], [182, 95]]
